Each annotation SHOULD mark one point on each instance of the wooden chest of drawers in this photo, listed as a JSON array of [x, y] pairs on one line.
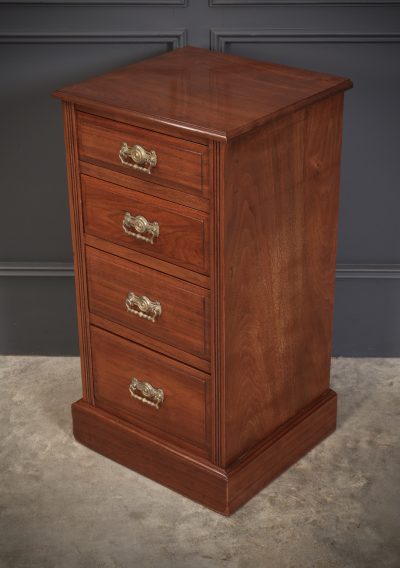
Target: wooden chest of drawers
[[204, 194]]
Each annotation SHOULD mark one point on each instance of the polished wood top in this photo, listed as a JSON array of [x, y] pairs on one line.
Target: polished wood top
[[210, 93]]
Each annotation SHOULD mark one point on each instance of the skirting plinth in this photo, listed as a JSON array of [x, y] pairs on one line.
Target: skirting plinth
[[223, 490]]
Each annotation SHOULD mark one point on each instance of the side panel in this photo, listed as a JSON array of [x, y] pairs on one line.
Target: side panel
[[278, 265], [75, 206]]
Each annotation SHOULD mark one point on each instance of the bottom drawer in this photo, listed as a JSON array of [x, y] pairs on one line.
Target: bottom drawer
[[165, 397]]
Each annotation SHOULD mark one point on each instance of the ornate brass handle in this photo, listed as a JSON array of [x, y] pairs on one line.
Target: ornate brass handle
[[150, 395], [141, 225], [143, 307], [137, 157]]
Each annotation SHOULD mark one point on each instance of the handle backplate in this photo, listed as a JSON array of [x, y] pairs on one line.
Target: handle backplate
[[140, 225], [148, 394], [143, 307], [137, 157]]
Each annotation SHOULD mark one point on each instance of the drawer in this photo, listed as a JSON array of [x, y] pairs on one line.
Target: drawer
[[179, 163], [172, 311], [149, 225], [174, 402]]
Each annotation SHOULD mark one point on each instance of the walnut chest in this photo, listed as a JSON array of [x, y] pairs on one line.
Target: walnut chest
[[204, 195]]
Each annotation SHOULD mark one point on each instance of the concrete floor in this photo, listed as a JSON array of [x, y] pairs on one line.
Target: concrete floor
[[62, 505]]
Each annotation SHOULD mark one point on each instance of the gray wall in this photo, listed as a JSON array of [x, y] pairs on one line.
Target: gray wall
[[47, 44]]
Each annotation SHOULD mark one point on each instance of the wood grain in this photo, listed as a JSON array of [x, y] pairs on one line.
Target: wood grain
[[186, 132], [217, 151], [278, 270], [187, 397], [151, 343], [149, 261], [184, 233], [201, 92], [180, 163], [246, 195], [184, 322], [224, 491], [143, 186], [279, 451], [146, 454], [75, 209]]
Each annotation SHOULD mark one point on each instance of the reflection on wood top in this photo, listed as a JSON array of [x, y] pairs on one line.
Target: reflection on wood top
[[212, 94]]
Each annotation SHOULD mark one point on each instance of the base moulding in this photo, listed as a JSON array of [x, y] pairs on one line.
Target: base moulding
[[222, 490]]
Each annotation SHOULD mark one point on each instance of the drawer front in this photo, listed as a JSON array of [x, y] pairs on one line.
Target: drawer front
[[179, 163], [153, 226], [173, 402], [177, 312]]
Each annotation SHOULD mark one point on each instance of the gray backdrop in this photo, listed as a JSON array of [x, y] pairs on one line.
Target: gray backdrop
[[47, 44]]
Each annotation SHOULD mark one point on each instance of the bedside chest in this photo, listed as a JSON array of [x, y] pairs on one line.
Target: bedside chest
[[204, 195]]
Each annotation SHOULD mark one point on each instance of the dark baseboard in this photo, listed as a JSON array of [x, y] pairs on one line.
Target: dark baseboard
[[66, 269], [34, 269]]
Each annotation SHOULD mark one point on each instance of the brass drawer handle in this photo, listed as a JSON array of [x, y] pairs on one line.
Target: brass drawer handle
[[137, 157], [150, 395], [143, 307], [141, 225]]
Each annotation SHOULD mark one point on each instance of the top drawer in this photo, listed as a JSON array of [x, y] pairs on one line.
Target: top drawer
[[177, 163]]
